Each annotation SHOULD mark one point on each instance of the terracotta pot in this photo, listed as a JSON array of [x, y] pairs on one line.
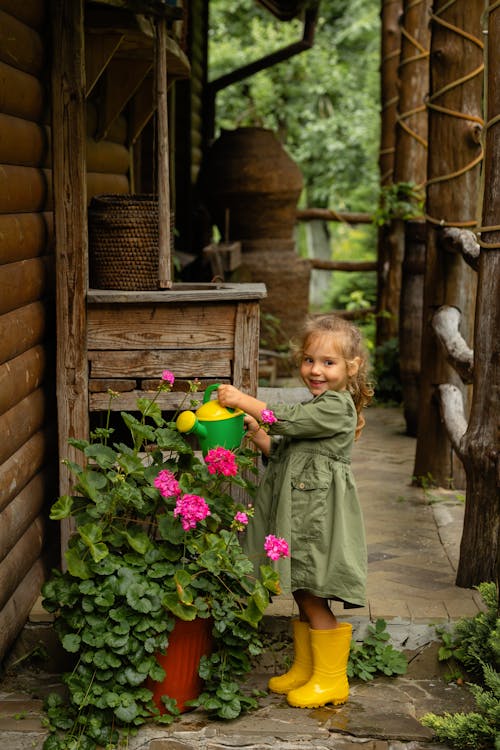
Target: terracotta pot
[[250, 185], [187, 643]]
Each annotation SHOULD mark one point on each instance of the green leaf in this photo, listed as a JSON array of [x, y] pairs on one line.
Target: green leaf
[[76, 565], [90, 483], [150, 409], [127, 713], [91, 535], [138, 539], [172, 603], [61, 508], [103, 455], [71, 642]]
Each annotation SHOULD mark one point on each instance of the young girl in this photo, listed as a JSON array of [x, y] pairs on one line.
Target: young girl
[[308, 496]]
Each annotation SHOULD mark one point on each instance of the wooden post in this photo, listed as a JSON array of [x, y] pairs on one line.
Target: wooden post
[[165, 263], [70, 213], [410, 165], [480, 545], [455, 124], [387, 325]]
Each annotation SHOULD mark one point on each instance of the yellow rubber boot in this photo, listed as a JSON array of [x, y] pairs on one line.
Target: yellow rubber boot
[[328, 683], [301, 669]]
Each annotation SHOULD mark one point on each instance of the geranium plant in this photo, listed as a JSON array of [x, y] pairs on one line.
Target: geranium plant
[[156, 538]]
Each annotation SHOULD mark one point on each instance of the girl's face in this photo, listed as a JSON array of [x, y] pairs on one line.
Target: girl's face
[[323, 366]]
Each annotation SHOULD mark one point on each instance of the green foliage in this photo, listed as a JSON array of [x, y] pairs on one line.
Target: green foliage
[[132, 569], [402, 200], [475, 643], [322, 103], [375, 655]]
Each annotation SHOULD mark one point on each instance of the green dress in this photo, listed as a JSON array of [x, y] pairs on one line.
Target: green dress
[[308, 496]]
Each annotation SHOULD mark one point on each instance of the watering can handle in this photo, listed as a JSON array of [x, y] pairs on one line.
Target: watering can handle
[[208, 392]]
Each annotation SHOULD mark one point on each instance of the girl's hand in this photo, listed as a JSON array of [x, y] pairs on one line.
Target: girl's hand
[[228, 395], [251, 425]]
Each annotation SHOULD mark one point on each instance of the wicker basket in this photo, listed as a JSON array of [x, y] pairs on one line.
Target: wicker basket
[[123, 242]]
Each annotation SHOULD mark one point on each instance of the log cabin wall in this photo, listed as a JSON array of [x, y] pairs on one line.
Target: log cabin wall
[[28, 458], [28, 418]]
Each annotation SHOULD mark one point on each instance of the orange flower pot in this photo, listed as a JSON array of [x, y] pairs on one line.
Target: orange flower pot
[[187, 643]]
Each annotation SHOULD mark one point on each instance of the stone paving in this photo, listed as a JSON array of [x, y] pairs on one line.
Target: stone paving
[[413, 542]]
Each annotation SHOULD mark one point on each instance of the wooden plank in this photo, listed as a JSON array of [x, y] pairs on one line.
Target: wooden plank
[[246, 348], [25, 236], [187, 363], [21, 142], [20, 46], [117, 132], [163, 157], [18, 424], [161, 327], [70, 204], [21, 94], [202, 292], [20, 376], [166, 401], [21, 329], [103, 385], [24, 282], [25, 463], [15, 613], [19, 560]]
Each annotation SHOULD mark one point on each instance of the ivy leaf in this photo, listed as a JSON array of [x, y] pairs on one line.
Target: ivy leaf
[[61, 508], [127, 713], [138, 539]]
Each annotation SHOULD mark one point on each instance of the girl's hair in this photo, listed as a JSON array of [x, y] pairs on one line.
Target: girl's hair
[[351, 344]]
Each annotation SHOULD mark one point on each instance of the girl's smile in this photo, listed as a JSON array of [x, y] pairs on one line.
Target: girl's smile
[[323, 366]]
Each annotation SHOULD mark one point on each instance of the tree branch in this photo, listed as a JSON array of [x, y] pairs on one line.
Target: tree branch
[[462, 241], [451, 405], [445, 324]]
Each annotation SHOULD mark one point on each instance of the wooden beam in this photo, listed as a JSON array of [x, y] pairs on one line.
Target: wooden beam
[[99, 49], [142, 106], [164, 254], [123, 78], [70, 214]]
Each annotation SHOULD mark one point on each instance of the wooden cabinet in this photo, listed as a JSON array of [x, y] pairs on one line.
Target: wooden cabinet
[[204, 331]]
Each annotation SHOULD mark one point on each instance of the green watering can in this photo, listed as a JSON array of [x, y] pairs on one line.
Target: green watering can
[[213, 424]]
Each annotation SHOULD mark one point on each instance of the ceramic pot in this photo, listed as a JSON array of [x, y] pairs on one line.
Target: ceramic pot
[[187, 643]]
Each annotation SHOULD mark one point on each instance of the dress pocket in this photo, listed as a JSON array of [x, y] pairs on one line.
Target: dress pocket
[[310, 493]]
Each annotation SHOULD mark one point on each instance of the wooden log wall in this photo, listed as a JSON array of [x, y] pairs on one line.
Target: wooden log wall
[[28, 417], [28, 460]]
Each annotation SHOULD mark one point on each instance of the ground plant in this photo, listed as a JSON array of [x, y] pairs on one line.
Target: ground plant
[[474, 645], [375, 655], [156, 538]]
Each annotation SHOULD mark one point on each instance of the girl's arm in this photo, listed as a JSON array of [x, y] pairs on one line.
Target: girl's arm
[[257, 435], [228, 395]]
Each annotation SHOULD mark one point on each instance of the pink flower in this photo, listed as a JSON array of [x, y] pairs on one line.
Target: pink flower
[[241, 517], [276, 547], [168, 377], [167, 484], [268, 416], [191, 509], [221, 461]]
